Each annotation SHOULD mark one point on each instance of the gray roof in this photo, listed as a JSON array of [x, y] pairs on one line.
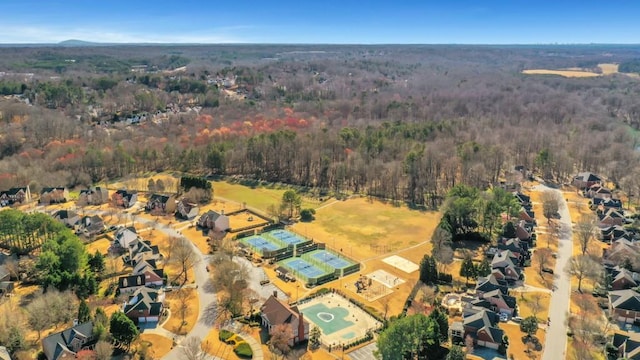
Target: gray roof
[[55, 344]]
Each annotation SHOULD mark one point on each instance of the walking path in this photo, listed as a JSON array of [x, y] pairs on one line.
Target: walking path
[[556, 340]]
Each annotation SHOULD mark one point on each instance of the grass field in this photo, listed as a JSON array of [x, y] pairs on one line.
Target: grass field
[[259, 197], [564, 73], [159, 345], [364, 229]]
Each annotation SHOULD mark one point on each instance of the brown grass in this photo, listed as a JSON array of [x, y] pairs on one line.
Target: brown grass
[[213, 346], [516, 346], [173, 324], [159, 345], [564, 73], [608, 69], [101, 246]]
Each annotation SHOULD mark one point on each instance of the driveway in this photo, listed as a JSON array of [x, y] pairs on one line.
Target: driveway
[[556, 339]]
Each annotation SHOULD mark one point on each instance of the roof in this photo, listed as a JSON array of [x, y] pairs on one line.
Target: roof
[[587, 176], [159, 198], [481, 319], [211, 215], [64, 214], [55, 344], [490, 283], [278, 313], [144, 299], [131, 281], [47, 190], [625, 300]]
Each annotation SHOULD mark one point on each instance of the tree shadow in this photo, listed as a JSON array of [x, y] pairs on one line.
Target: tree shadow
[[210, 314]]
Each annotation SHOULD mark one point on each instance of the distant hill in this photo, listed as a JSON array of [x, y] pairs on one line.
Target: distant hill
[[75, 42]]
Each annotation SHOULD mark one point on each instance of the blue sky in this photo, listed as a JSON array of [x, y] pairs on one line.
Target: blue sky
[[329, 21]]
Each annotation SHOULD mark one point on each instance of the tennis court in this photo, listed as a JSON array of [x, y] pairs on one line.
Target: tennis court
[[302, 268], [260, 244], [330, 259], [287, 237]]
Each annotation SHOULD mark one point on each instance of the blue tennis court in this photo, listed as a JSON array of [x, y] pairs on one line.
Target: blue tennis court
[[303, 267], [287, 237], [331, 259], [260, 243]]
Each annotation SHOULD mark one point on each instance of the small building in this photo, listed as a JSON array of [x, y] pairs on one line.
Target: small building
[[214, 221], [54, 195], [91, 225], [67, 217], [187, 210], [584, 180], [131, 283], [160, 204], [482, 327], [624, 305], [125, 238], [6, 288], [275, 312], [627, 344], [124, 198], [144, 305], [15, 195], [65, 344], [93, 196]]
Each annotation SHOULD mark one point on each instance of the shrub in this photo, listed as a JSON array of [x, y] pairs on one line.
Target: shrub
[[445, 278], [243, 350], [224, 335]]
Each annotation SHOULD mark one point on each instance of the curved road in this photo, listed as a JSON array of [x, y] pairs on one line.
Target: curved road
[[556, 339]]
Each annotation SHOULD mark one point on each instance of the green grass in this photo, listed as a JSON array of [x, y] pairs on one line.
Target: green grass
[[257, 196]]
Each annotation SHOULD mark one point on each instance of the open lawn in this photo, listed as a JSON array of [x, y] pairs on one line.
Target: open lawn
[[527, 303], [174, 323], [259, 197], [213, 346], [158, 345], [101, 246], [517, 347], [564, 73], [363, 229]]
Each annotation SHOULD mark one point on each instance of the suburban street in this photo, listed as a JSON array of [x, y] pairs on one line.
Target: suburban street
[[556, 339]]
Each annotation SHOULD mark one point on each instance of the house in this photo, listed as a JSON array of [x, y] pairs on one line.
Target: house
[[67, 217], [624, 305], [612, 233], [503, 266], [628, 345], [125, 237], [585, 180], [274, 313], [598, 191], [526, 214], [610, 217], [93, 196], [54, 195], [606, 204], [482, 327], [187, 209], [152, 277], [523, 199], [91, 225], [6, 288], [144, 305], [131, 283], [622, 250], [518, 247], [622, 278], [158, 203], [15, 195], [65, 344], [500, 302], [214, 220], [124, 198], [490, 283], [142, 250]]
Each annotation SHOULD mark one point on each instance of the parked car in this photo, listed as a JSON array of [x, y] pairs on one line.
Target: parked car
[[504, 317], [517, 319], [547, 270]]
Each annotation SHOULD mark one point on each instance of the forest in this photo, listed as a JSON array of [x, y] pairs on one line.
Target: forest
[[405, 123]]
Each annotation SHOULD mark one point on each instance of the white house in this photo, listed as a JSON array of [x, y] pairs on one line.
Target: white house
[[214, 220], [126, 237]]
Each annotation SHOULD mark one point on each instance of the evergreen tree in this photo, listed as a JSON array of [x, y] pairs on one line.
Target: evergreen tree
[[484, 268], [96, 262], [428, 270], [443, 322], [84, 314], [122, 329], [314, 338], [468, 269]]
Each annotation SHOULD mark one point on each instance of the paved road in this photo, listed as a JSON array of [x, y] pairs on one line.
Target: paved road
[[556, 340]]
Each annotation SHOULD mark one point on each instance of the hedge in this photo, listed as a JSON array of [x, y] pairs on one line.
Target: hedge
[[224, 335], [243, 350]]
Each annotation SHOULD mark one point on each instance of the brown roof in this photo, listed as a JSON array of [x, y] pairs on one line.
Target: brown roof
[[278, 312]]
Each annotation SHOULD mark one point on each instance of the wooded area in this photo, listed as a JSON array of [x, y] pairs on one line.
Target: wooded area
[[405, 123]]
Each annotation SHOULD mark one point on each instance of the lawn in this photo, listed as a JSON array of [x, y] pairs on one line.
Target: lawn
[[259, 197], [362, 228], [564, 73], [159, 345], [526, 304], [101, 246], [213, 346], [174, 323], [517, 347]]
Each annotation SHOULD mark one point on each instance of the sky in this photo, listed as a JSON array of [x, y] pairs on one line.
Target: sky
[[324, 21]]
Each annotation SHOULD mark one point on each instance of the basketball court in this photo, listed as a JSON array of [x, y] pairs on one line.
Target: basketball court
[[401, 263]]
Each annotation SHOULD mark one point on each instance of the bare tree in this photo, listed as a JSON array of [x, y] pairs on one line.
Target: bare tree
[[184, 255], [469, 344], [442, 251], [586, 232], [550, 204], [192, 349], [583, 267], [104, 350], [183, 296], [542, 256], [281, 335], [535, 304]]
